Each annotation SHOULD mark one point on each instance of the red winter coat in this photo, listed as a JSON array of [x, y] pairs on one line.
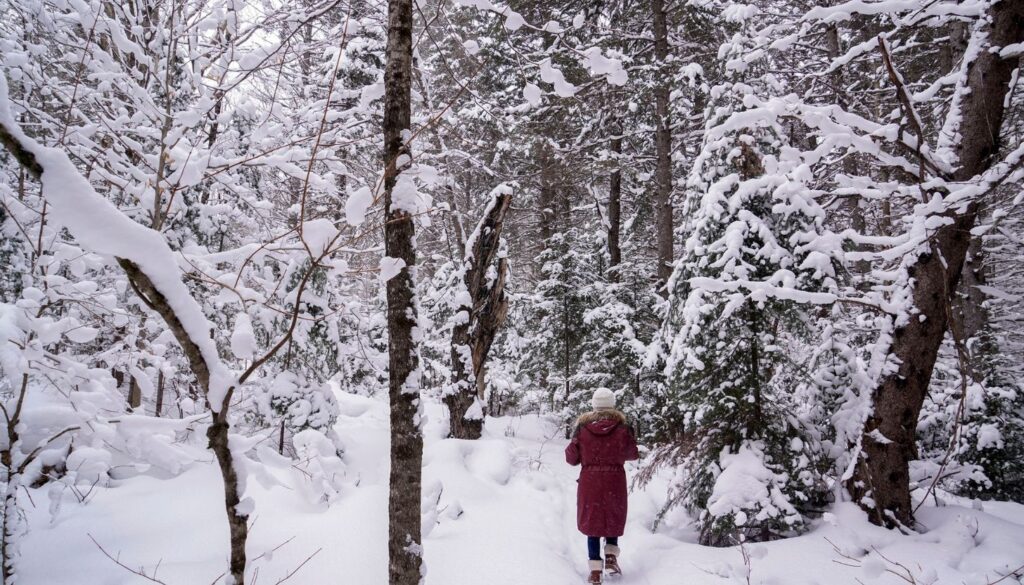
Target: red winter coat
[[602, 443]]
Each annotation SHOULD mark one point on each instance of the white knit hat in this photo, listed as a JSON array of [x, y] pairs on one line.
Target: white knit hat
[[603, 398]]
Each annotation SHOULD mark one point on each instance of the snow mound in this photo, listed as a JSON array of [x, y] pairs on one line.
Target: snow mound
[[491, 460], [746, 485]]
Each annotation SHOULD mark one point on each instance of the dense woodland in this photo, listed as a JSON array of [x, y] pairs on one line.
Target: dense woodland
[[788, 235]]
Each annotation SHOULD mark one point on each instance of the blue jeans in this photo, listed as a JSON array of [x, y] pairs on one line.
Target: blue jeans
[[594, 545]]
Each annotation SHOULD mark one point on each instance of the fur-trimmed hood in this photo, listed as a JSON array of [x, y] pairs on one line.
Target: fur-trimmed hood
[[604, 414]]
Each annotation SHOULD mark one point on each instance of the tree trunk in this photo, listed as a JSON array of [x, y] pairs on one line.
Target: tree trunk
[[663, 150], [972, 313], [134, 394], [456, 221], [852, 204], [951, 50], [477, 322], [11, 512], [566, 346], [550, 210], [615, 207], [160, 393], [881, 481], [218, 432], [405, 560], [280, 439], [238, 528]]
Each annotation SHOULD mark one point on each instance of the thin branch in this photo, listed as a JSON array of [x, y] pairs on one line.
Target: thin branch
[[139, 572], [907, 105], [296, 569]]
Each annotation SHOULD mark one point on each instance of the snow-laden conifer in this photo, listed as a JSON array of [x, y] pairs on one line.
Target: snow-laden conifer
[[737, 311]]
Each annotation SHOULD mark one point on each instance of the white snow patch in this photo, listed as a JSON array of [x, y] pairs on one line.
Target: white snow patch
[[533, 94], [243, 339], [319, 234], [356, 205], [549, 74], [390, 268]]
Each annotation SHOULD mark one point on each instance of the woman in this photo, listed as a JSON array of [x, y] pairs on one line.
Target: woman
[[602, 442]]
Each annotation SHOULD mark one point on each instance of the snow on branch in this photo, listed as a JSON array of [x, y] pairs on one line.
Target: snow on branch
[[916, 10], [143, 253], [776, 288], [593, 59]]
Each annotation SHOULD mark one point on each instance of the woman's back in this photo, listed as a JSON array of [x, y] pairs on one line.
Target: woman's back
[[602, 438], [602, 443]]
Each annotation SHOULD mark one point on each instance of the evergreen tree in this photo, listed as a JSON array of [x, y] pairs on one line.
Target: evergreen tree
[[971, 431], [616, 325], [734, 317], [562, 297]]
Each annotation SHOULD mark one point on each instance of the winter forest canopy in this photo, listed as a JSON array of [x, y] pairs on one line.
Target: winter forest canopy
[[314, 291]]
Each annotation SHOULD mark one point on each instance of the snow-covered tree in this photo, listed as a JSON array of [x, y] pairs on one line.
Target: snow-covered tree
[[556, 321], [736, 312]]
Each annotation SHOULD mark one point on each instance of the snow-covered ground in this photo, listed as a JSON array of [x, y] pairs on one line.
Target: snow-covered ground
[[499, 511]]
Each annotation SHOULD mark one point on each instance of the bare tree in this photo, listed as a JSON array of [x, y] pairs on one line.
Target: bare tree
[[481, 314], [167, 296]]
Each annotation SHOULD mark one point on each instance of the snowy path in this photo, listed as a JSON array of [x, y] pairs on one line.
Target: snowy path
[[540, 464], [515, 504], [504, 515]]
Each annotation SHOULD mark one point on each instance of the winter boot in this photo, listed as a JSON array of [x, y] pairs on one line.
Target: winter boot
[[611, 561], [595, 573]]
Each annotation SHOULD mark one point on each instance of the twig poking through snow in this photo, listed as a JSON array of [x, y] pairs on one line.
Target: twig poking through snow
[[141, 572], [296, 569]]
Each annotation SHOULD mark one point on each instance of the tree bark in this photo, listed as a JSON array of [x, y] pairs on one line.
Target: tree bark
[[615, 207], [456, 221], [881, 480], [951, 50], [134, 394], [663, 150], [11, 511], [238, 527], [550, 210], [280, 438], [160, 393], [477, 323], [971, 311], [405, 560], [8, 546]]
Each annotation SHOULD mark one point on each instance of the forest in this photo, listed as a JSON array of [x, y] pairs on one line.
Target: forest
[[315, 291]]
